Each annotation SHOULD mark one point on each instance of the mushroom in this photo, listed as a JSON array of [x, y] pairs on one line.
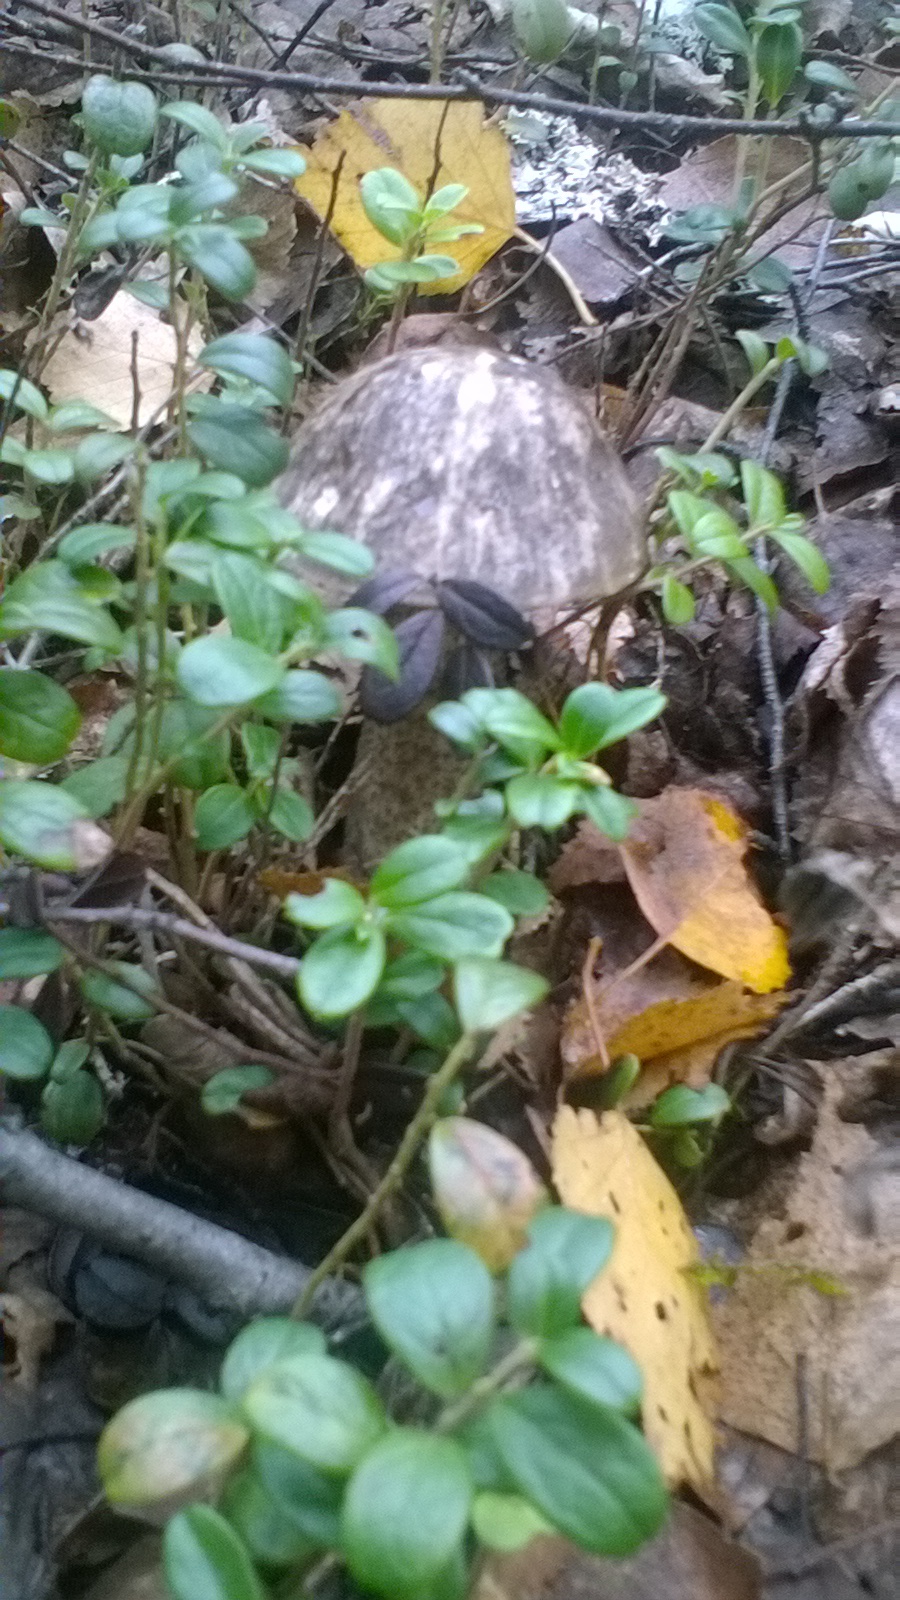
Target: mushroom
[[456, 463]]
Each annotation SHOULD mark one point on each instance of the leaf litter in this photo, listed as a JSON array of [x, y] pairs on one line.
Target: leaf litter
[[805, 1324]]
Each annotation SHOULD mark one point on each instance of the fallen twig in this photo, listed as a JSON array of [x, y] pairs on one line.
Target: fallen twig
[[227, 1270], [470, 88]]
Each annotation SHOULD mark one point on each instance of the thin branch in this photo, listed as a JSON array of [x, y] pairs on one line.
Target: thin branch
[[417, 1130], [176, 927], [471, 88]]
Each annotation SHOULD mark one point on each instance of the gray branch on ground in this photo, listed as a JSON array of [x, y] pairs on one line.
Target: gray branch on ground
[[228, 1271]]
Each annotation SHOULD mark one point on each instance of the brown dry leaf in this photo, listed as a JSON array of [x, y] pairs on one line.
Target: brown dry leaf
[[93, 361], [410, 135], [675, 1018], [644, 1296], [685, 862], [706, 176], [784, 1343], [690, 1559]]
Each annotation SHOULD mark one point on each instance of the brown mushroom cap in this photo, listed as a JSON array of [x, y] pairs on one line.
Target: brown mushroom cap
[[466, 463]]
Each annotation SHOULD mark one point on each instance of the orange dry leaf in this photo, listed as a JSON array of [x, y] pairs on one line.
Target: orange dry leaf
[[685, 863], [432, 142], [644, 1297], [670, 1014]]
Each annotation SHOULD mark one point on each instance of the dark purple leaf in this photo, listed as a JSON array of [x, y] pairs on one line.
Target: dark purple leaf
[[384, 590], [483, 616], [419, 639], [467, 667]]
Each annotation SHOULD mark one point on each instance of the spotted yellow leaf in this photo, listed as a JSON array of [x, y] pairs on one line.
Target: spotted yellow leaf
[[645, 1297]]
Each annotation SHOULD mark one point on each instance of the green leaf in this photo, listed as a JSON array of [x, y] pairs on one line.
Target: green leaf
[[771, 275], [418, 870], [804, 555], [460, 724], [224, 1091], [256, 357], [260, 1346], [309, 1498], [290, 814], [778, 49], [746, 571], [611, 812], [547, 1279], [26, 1048], [28, 953], [511, 719], [302, 696], [270, 1534], [25, 396], [120, 1000], [43, 823], [361, 636], [340, 971], [755, 349], [336, 551], [220, 671], [119, 118], [827, 75], [220, 258], [391, 204], [593, 1368], [596, 715], [763, 496], [275, 163], [521, 893], [255, 611], [169, 1444], [586, 1468], [724, 28], [431, 1018], [38, 719], [69, 1059], [76, 414], [337, 902], [506, 1522], [200, 755], [320, 1409], [199, 120], [489, 993], [537, 800], [238, 439], [455, 925], [405, 1513], [222, 817], [423, 269], [98, 453], [50, 466], [85, 545], [679, 1106], [73, 1111], [205, 1559], [48, 597], [433, 1304], [543, 28], [677, 601]]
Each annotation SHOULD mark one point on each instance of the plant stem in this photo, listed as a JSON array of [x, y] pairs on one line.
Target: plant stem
[[517, 1363], [417, 1130], [741, 401]]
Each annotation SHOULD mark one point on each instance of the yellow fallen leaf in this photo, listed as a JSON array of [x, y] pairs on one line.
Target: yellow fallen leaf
[[432, 142], [685, 862], [644, 1297], [667, 1011]]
